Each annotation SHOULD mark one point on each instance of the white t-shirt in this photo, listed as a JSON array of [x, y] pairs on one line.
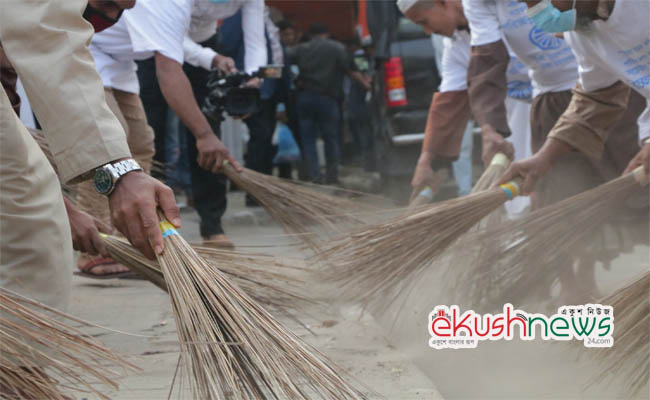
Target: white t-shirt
[[151, 26], [455, 61], [617, 49], [163, 26], [552, 66], [203, 26]]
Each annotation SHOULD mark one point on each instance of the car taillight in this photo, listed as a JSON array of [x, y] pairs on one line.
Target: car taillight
[[394, 80]]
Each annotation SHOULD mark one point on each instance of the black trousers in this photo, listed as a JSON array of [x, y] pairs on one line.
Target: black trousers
[[261, 125], [208, 189]]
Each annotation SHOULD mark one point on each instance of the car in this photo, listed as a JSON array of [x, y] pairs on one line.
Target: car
[[403, 54]]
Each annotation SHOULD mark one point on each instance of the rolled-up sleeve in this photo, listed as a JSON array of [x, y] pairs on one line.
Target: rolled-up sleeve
[[486, 74], [255, 54], [488, 86], [446, 123], [590, 116], [47, 43], [197, 55]]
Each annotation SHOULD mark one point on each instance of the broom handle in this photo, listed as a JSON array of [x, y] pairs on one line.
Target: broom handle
[[424, 197], [500, 159], [640, 176], [228, 169]]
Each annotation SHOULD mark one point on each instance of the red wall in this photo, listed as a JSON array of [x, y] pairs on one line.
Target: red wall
[[339, 15]]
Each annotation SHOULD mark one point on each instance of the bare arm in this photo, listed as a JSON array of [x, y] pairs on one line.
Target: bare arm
[[359, 77], [178, 93]]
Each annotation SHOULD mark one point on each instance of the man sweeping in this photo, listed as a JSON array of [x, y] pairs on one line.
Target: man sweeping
[[46, 43], [157, 31], [86, 140], [611, 39], [449, 110], [553, 68]]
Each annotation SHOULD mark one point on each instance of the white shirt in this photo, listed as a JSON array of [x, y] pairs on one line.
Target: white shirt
[[162, 26], [617, 49], [552, 66], [151, 26], [455, 61], [203, 26]]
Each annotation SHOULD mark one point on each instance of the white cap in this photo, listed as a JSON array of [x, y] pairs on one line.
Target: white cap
[[405, 5]]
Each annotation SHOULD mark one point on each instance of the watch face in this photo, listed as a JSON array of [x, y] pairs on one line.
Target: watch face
[[103, 181]]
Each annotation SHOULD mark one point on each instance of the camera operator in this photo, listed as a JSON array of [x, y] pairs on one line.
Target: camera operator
[[157, 31], [200, 44], [261, 124]]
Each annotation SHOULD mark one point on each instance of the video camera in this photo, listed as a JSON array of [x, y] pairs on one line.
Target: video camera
[[226, 93]]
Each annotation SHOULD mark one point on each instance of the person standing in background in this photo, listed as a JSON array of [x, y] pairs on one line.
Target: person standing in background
[[322, 63], [260, 125], [173, 28], [356, 105]]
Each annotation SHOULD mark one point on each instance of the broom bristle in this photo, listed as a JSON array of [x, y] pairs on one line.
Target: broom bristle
[[379, 257], [42, 354], [628, 357], [463, 258], [297, 208], [262, 277], [231, 346], [526, 255]]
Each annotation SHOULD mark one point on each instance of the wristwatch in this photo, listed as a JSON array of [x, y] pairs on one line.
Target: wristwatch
[[107, 175]]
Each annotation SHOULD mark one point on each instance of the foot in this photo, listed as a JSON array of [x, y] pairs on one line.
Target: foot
[[100, 266], [219, 241]]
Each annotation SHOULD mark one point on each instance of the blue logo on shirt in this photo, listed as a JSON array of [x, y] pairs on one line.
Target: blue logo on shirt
[[520, 90], [544, 40]]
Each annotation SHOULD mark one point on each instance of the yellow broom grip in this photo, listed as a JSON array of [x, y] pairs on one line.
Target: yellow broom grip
[[512, 188], [640, 176], [167, 228]]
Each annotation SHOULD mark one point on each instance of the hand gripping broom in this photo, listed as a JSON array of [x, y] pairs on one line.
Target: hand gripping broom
[[233, 348], [491, 175], [373, 259], [42, 354], [523, 254]]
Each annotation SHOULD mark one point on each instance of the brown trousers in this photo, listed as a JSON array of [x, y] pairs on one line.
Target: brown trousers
[[576, 173], [128, 109]]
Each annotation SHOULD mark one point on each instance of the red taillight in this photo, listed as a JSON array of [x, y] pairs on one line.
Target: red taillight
[[394, 80]]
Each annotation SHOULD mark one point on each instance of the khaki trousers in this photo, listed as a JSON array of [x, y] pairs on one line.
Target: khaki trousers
[[576, 173], [35, 241], [128, 109]]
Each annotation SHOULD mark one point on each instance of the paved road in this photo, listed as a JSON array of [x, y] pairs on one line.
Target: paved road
[[343, 333]]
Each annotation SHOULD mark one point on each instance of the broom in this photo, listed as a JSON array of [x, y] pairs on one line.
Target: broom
[[490, 176], [262, 277], [231, 346], [379, 257], [629, 355], [524, 255], [297, 208], [42, 355]]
